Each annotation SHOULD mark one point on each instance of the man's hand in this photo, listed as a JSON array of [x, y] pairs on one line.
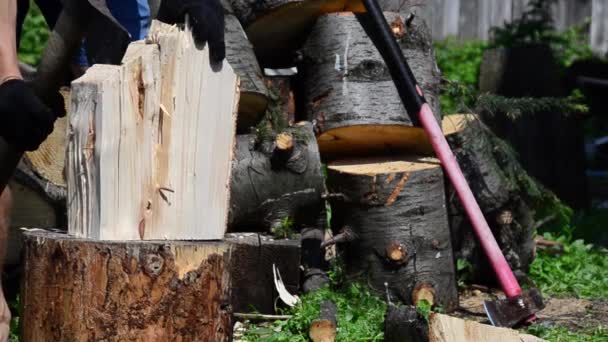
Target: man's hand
[[206, 18], [24, 120]]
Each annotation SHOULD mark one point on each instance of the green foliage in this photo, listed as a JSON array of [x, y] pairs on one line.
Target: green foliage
[[533, 27], [459, 62], [572, 45], [463, 271], [285, 229], [360, 317], [561, 334], [423, 309], [34, 36], [14, 326], [579, 270]]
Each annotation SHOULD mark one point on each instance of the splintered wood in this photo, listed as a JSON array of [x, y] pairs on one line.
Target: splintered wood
[[150, 143]]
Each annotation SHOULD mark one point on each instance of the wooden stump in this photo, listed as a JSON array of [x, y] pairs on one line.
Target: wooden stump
[[323, 328], [270, 183], [396, 207], [254, 95], [501, 187], [84, 290], [350, 94], [251, 270]]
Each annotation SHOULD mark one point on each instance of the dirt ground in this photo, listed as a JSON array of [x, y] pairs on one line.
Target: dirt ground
[[573, 313]]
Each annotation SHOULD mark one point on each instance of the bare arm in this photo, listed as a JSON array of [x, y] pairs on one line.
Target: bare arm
[[9, 68]]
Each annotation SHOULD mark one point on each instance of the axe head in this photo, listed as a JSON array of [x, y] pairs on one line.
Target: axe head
[[511, 311]]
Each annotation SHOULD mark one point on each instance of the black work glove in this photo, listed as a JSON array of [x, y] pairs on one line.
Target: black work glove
[[24, 120], [206, 18]]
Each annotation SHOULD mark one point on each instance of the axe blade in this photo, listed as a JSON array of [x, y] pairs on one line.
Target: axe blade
[[509, 312]]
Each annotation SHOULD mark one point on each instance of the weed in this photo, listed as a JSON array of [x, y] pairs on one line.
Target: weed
[[423, 309], [360, 317], [580, 270], [284, 229], [34, 36], [561, 334]]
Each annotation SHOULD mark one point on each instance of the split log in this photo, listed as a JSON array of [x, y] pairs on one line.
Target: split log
[[254, 94], [253, 255], [323, 328], [350, 94], [503, 191], [404, 321], [396, 207], [80, 289], [267, 186], [143, 157]]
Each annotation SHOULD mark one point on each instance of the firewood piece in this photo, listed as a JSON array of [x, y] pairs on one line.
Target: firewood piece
[[81, 289], [254, 94], [251, 270], [350, 94], [345, 235], [313, 259], [403, 321], [262, 194], [323, 329], [402, 200], [495, 176], [314, 279], [144, 157]]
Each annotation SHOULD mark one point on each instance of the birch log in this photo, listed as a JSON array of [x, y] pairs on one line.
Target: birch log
[[87, 290], [350, 94], [151, 143], [396, 208]]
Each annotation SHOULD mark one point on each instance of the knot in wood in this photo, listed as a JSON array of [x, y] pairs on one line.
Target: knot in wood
[[504, 217], [153, 264], [398, 28], [423, 291], [396, 252]]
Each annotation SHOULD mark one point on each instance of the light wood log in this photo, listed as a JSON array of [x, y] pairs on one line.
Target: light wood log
[[253, 255], [151, 143], [404, 321], [396, 207], [350, 95], [500, 187], [86, 290]]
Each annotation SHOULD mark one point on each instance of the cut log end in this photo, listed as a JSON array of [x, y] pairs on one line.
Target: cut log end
[[323, 329], [396, 252], [371, 139], [284, 142], [423, 291], [384, 165]]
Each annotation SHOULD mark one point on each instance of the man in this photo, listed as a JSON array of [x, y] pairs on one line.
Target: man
[[25, 121]]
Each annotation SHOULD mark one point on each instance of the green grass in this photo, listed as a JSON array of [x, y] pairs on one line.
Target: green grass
[[33, 37], [580, 271], [561, 334], [360, 317]]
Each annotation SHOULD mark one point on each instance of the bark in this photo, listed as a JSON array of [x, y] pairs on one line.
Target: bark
[[251, 270], [403, 321], [265, 191], [502, 189], [350, 94], [79, 289], [254, 95], [323, 328], [396, 208]]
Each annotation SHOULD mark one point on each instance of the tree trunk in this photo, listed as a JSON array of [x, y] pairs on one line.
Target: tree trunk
[[251, 270], [396, 208], [254, 95], [503, 191], [79, 289], [350, 94], [403, 323], [323, 328], [270, 184]]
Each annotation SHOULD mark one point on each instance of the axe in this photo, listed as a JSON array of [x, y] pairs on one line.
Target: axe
[[519, 306], [77, 18]]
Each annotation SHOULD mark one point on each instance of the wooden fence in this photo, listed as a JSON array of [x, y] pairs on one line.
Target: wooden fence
[[472, 19]]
